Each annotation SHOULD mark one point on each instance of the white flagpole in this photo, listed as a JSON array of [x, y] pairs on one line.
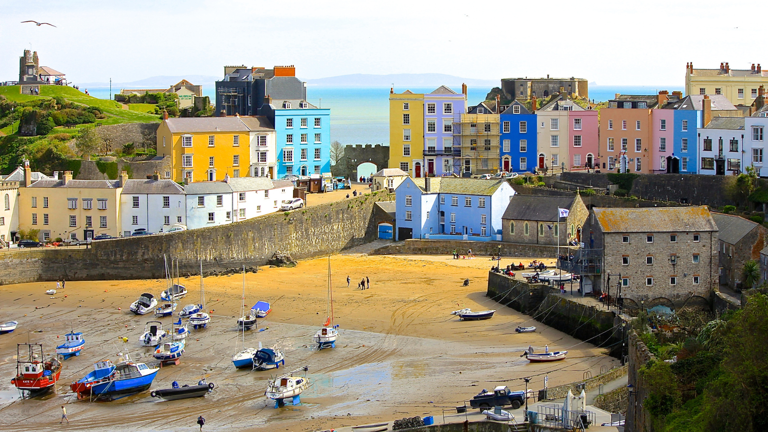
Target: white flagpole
[[558, 249]]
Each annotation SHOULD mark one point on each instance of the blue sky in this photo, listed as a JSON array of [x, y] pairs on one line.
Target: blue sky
[[610, 43]]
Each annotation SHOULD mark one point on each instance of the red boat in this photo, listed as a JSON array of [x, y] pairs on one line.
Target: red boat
[[33, 371]]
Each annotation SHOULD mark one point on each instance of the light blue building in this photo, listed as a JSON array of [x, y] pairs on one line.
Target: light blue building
[[303, 137], [518, 139], [447, 208], [442, 108]]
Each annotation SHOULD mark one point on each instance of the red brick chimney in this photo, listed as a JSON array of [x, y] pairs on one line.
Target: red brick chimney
[[727, 68], [753, 68], [464, 89], [759, 69], [691, 68], [706, 106], [533, 105], [165, 115], [498, 108], [722, 67], [391, 90], [662, 98]]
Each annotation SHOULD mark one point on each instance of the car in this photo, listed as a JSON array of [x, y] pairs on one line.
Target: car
[[74, 242], [292, 204], [29, 243], [140, 232], [484, 177], [175, 228], [103, 237]]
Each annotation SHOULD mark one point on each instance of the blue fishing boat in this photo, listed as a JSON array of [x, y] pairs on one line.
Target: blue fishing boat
[[72, 346], [170, 350], [125, 378], [261, 309], [173, 293], [180, 331], [244, 359], [268, 358]]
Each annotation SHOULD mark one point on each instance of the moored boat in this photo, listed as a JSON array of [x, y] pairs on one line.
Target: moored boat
[[144, 305], [170, 350], [8, 326], [33, 372], [261, 309], [287, 386], [546, 357], [200, 319], [165, 309], [180, 331], [246, 321], [268, 358], [468, 315], [126, 378], [189, 310], [326, 337], [175, 292], [187, 391], [153, 333], [244, 358], [521, 329], [72, 345]]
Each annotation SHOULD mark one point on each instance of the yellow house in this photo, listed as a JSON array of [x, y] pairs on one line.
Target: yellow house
[[69, 208], [205, 148], [740, 86], [479, 135], [406, 132]]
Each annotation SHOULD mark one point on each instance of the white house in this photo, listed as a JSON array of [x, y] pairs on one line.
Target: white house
[[720, 146], [388, 178], [262, 146], [755, 128], [151, 204], [208, 204]]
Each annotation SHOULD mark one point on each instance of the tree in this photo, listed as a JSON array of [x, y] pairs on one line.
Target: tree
[[337, 152], [88, 142], [750, 274]]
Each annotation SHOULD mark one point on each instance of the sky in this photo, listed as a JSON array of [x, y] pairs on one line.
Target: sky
[[608, 43]]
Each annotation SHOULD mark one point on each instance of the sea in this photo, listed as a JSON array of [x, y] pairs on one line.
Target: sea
[[361, 115]]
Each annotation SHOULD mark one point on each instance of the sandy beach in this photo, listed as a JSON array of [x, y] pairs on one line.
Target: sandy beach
[[400, 352]]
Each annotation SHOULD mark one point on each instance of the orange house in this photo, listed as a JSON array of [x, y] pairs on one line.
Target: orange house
[[626, 133]]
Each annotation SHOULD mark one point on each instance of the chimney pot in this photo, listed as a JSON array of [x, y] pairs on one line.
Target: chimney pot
[[123, 178], [533, 104], [727, 68], [67, 177], [427, 184], [27, 174], [165, 115], [753, 68], [759, 69], [706, 106]]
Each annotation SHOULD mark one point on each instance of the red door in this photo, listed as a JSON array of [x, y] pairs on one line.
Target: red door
[[506, 165], [417, 170], [431, 166], [541, 161]]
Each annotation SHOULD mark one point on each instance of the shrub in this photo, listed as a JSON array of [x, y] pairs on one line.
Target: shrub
[[729, 209], [519, 181], [621, 192], [757, 218], [587, 192], [61, 137]]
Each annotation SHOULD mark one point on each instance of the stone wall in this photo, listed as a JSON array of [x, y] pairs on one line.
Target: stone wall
[[141, 135], [615, 401], [721, 303], [589, 384], [137, 168], [305, 233], [519, 295], [354, 155], [638, 418], [474, 426], [479, 249]]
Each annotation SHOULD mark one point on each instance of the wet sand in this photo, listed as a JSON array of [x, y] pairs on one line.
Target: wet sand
[[400, 352]]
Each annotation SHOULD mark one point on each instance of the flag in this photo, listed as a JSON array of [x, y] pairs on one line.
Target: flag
[[563, 212]]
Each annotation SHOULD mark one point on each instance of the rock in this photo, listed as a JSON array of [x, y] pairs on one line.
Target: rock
[[408, 423], [282, 259]]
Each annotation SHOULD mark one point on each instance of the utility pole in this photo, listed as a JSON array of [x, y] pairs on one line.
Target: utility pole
[[110, 89], [527, 380]]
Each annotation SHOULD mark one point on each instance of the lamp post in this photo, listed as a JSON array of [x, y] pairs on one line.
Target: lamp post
[[630, 408], [498, 266], [527, 380]]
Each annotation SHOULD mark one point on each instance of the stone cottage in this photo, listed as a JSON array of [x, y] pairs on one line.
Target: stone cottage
[[533, 219], [740, 240]]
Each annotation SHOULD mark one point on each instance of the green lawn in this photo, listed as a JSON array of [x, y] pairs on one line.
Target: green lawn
[[113, 110], [143, 107]]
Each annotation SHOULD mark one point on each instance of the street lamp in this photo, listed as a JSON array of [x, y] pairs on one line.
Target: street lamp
[[527, 380], [498, 266]]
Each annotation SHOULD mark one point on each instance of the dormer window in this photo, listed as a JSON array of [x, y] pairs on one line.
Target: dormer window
[[480, 110], [642, 105], [302, 104], [286, 105]]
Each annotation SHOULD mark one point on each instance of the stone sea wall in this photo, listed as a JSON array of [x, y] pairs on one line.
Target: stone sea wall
[[305, 233], [481, 250]]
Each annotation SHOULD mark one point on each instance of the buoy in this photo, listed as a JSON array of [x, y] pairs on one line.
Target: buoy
[[120, 309]]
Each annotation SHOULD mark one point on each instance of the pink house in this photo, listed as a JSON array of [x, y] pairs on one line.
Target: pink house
[[663, 128], [583, 140]]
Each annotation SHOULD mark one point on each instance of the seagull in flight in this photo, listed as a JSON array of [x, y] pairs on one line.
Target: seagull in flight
[[38, 23]]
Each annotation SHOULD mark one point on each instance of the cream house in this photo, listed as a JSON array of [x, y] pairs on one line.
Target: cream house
[[9, 216]]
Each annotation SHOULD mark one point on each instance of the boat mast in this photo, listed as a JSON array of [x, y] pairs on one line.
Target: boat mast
[[330, 289], [202, 289], [242, 307]]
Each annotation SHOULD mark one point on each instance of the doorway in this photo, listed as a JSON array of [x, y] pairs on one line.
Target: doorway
[[541, 161], [417, 169], [507, 167]]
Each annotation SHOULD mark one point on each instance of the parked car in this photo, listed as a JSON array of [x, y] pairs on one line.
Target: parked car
[[500, 396], [74, 242], [29, 243], [103, 237], [140, 232], [292, 204], [174, 228], [483, 176]]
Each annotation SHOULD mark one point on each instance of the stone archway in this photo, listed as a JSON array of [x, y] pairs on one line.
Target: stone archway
[[356, 155], [366, 169]]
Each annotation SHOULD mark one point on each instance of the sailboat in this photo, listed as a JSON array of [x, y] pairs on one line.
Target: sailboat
[[180, 331], [200, 319], [244, 358], [287, 386], [326, 336]]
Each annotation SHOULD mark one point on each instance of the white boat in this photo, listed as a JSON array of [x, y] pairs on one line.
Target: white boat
[[501, 415], [244, 358], [153, 334], [521, 329], [261, 309], [565, 277], [467, 315], [175, 292], [180, 331], [200, 319], [287, 386], [144, 305], [546, 357], [72, 345], [8, 327], [326, 337], [189, 310], [170, 350], [542, 274], [165, 309], [51, 292]]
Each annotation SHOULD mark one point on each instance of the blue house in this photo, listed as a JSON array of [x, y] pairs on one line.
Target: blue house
[[302, 135], [518, 139], [447, 208]]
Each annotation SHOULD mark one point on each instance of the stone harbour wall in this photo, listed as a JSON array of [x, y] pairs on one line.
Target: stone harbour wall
[[481, 250]]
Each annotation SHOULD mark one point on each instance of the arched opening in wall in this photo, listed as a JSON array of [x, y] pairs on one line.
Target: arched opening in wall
[[542, 160], [417, 169], [303, 171], [507, 164], [630, 307], [590, 160], [366, 169], [659, 305], [696, 303]]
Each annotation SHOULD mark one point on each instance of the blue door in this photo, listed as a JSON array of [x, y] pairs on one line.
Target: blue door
[[385, 231]]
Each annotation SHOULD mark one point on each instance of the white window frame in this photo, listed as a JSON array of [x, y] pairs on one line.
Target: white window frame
[[577, 124]]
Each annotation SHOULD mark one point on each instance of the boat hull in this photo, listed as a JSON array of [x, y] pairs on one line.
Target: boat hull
[[547, 357], [36, 384], [183, 392], [525, 329], [476, 316], [8, 327], [126, 386], [71, 350]]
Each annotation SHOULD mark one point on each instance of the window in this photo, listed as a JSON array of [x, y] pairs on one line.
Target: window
[[442, 199], [467, 202], [262, 157], [242, 213], [642, 104], [241, 196], [734, 165], [696, 238], [624, 282], [34, 202], [611, 163], [212, 218], [303, 138], [303, 122], [483, 219], [289, 123], [2, 222], [610, 124], [186, 141], [473, 144], [516, 109], [741, 93], [406, 119], [555, 160], [72, 221], [523, 127], [289, 169], [431, 126], [696, 279], [623, 125], [625, 260], [684, 125], [201, 201], [638, 163], [511, 227], [624, 144], [684, 164], [577, 140], [431, 108], [638, 145], [754, 93], [166, 202], [662, 124], [447, 108], [406, 134], [135, 202], [684, 144], [673, 238], [673, 280], [610, 144], [453, 217], [554, 141], [289, 139], [408, 215], [211, 140], [577, 124], [408, 200], [166, 220], [702, 91], [649, 281], [45, 219], [406, 106], [662, 162], [8, 202], [506, 146], [523, 164], [186, 161], [649, 260], [317, 154], [454, 201], [637, 125], [227, 215], [718, 90], [486, 145], [577, 160], [318, 122], [625, 239], [210, 162], [303, 154], [219, 200], [505, 126], [695, 258], [236, 141], [757, 155], [487, 128], [447, 126], [707, 144], [554, 124], [72, 203], [318, 138], [287, 155], [134, 220], [541, 229], [34, 218], [757, 133], [662, 144], [481, 202], [406, 150], [404, 166]]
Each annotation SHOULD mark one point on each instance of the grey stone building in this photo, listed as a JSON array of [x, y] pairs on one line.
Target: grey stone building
[[532, 219], [656, 254], [740, 240], [526, 88]]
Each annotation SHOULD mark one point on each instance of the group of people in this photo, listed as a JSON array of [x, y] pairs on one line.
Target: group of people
[[364, 284], [456, 254], [354, 193], [568, 257], [364, 179]]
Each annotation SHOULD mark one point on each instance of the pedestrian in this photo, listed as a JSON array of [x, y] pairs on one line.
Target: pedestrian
[[348, 280], [546, 349], [63, 284], [58, 285], [201, 422], [362, 283], [367, 282], [454, 254], [63, 415]]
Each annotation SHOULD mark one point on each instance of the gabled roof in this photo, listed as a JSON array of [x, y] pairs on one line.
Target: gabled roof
[[208, 187], [536, 208], [523, 109], [390, 172], [655, 219], [277, 104], [732, 228], [77, 184], [695, 102], [45, 70], [460, 186], [257, 123], [733, 73], [153, 187], [443, 90], [206, 124], [560, 102], [245, 184], [488, 110], [18, 175], [726, 123], [282, 183]]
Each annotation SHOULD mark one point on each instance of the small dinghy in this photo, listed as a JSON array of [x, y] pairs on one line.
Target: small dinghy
[[189, 310], [287, 386], [180, 331], [153, 334], [8, 327], [144, 305], [261, 309], [521, 329], [51, 292], [175, 292], [165, 309], [72, 346], [468, 315], [268, 358], [501, 415], [187, 391], [247, 321], [545, 357], [170, 350]]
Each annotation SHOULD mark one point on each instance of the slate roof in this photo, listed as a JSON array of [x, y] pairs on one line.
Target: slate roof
[[77, 184], [460, 186], [206, 124], [654, 219], [202, 188], [488, 110], [18, 175], [732, 228], [561, 101], [388, 206], [239, 75], [523, 109], [764, 251], [153, 187], [295, 104], [695, 102], [257, 123], [390, 172], [245, 184], [45, 70], [727, 123], [443, 90], [282, 183], [733, 73], [536, 208]]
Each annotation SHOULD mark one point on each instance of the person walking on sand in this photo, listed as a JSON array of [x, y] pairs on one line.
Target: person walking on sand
[[63, 284], [367, 283], [58, 285], [201, 422], [546, 349], [63, 415], [348, 280]]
